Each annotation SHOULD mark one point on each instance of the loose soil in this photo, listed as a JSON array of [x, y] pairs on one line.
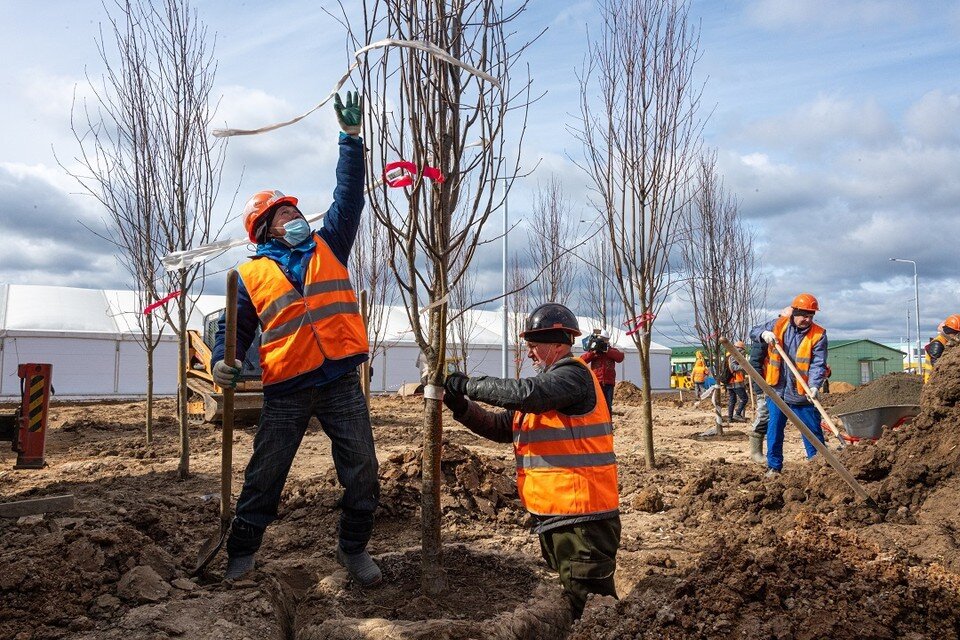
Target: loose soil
[[889, 390], [709, 549]]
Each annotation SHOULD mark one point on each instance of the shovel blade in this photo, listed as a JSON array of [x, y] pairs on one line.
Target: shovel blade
[[209, 550]]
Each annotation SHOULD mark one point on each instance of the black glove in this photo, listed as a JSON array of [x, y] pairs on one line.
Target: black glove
[[456, 404], [455, 389], [456, 384]]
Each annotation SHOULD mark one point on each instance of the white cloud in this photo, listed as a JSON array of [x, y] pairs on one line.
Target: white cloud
[[822, 125], [828, 14], [935, 118]]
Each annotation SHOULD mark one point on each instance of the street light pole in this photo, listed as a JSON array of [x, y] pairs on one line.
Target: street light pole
[[505, 346], [916, 297]]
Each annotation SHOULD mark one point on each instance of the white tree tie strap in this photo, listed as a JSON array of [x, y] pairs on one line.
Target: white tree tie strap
[[426, 47]]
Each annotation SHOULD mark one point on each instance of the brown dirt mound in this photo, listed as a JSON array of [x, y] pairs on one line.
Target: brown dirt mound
[[912, 472], [474, 487], [891, 389], [816, 582], [841, 387], [627, 392]]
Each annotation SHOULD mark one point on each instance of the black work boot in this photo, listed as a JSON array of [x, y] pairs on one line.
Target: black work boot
[[243, 543], [361, 567]]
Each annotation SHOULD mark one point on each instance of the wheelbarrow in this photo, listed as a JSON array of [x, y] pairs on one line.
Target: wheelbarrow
[[869, 424]]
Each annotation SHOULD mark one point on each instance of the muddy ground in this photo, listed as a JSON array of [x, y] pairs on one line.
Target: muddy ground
[[709, 549]]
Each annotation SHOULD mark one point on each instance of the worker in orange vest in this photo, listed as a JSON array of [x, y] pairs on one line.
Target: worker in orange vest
[[699, 374], [806, 343], [949, 333], [297, 289], [736, 388], [562, 437]]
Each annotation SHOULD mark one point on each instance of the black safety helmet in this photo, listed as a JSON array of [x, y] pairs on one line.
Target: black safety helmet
[[551, 322]]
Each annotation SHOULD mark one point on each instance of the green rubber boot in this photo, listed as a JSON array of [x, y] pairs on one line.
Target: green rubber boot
[[756, 448]]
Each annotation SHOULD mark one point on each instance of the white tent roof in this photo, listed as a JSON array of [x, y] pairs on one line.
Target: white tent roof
[[112, 313]]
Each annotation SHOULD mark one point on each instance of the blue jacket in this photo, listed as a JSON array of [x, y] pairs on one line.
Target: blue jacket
[[787, 387], [339, 231]]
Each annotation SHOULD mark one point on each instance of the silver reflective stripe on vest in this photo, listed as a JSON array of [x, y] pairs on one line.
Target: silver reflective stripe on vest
[[566, 461], [327, 286], [278, 305], [311, 315], [548, 434], [802, 361]]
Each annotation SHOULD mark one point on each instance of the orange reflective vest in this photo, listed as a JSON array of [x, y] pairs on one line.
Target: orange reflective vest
[[736, 377], [566, 464], [699, 371], [300, 331], [802, 358]]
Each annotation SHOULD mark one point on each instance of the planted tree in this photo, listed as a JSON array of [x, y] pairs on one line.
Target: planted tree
[[723, 282], [640, 135], [148, 159], [431, 112]]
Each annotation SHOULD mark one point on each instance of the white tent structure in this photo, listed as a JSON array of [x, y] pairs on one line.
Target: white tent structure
[[91, 338]]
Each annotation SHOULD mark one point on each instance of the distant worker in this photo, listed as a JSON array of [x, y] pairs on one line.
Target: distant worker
[[699, 375], [603, 359], [805, 342], [948, 335], [826, 379], [736, 387], [297, 289], [562, 437]]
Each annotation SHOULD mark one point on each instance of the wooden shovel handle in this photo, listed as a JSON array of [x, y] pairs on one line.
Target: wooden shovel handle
[[806, 389], [230, 357]]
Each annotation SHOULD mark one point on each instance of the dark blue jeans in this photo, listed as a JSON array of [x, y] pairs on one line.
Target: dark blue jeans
[[343, 414], [736, 401], [808, 415], [608, 394]]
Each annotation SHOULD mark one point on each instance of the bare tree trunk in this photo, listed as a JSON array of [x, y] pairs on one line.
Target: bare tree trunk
[[434, 578], [183, 468], [149, 408]]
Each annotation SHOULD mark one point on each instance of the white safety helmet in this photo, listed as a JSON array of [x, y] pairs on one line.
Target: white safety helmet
[[605, 334]]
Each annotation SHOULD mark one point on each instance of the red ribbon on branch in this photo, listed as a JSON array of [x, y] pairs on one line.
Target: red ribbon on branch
[[410, 170], [640, 322], [159, 303]]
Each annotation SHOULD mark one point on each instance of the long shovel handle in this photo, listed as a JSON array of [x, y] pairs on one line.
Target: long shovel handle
[[806, 390], [230, 356], [821, 448]]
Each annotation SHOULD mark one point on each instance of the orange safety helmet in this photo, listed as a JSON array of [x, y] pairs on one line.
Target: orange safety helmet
[[953, 322], [805, 302], [257, 207]]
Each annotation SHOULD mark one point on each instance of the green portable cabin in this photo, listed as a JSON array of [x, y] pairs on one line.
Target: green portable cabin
[[860, 361]]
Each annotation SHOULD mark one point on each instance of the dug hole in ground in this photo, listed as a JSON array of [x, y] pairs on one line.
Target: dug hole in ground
[[709, 548]]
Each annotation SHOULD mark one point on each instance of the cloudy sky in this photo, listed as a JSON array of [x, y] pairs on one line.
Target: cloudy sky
[[836, 124]]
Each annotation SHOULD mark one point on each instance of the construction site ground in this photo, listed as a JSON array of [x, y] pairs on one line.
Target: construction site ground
[[709, 548]]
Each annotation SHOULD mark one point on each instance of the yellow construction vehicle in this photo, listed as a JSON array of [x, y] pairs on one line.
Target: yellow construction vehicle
[[205, 402], [680, 377]]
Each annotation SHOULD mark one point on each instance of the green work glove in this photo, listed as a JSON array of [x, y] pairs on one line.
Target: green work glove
[[350, 116]]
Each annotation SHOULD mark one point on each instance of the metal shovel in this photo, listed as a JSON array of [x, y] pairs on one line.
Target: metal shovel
[[213, 545]]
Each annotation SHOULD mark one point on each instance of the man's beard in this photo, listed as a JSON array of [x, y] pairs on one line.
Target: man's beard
[[538, 367]]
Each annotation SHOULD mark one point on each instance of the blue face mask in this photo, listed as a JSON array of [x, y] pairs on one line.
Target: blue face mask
[[296, 232]]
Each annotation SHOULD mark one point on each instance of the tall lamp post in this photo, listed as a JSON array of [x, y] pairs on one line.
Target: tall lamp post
[[916, 297], [505, 344]]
